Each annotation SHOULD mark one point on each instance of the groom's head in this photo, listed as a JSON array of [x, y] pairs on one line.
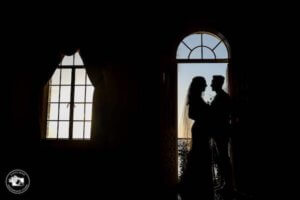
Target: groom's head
[[217, 82]]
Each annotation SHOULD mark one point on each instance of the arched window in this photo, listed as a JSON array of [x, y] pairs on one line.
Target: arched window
[[70, 99], [199, 54], [203, 47]]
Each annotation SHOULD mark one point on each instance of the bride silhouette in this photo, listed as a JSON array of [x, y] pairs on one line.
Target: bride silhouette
[[196, 180]]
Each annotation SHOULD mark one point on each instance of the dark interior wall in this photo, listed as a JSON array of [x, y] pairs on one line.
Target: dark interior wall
[[139, 154]]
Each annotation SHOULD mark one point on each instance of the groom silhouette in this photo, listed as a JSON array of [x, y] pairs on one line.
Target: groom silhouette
[[221, 109]]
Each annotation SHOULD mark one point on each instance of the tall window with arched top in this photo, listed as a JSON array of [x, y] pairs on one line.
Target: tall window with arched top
[[199, 54], [69, 101]]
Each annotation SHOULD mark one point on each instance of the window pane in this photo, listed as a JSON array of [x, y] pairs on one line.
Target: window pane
[[80, 76], [79, 93], [53, 93], [66, 76], [221, 51], [88, 111], [182, 52], [65, 93], [53, 111], [78, 60], [210, 40], [196, 53], [63, 131], [87, 130], [88, 81], [64, 111], [55, 77], [89, 93], [77, 130], [67, 60], [193, 40], [78, 112], [208, 54], [51, 130]]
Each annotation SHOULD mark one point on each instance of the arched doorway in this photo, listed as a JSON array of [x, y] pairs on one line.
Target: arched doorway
[[199, 54]]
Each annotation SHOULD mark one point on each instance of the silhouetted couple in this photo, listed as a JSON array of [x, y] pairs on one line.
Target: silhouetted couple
[[210, 121]]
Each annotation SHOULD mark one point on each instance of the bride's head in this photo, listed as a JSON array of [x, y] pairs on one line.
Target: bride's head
[[196, 88]]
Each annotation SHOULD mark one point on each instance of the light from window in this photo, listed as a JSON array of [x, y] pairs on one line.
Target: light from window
[[70, 100]]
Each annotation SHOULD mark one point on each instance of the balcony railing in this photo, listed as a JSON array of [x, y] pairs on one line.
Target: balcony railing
[[184, 145]]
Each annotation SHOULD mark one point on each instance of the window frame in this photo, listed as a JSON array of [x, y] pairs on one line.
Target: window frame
[[72, 103]]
